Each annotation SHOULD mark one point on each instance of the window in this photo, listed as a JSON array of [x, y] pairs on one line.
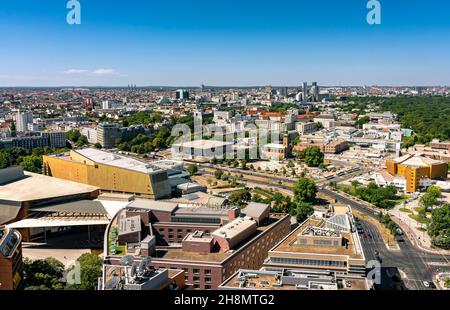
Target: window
[[207, 287], [196, 271], [207, 271], [207, 279], [196, 279]]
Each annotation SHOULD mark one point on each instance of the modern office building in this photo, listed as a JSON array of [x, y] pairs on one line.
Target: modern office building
[[11, 265], [107, 135], [322, 243], [90, 133], [305, 94], [208, 243], [22, 121], [416, 170], [315, 91], [111, 104], [283, 91], [110, 172], [182, 94], [40, 140]]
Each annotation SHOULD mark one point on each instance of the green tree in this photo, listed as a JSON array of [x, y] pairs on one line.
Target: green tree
[[447, 282], [257, 198], [364, 120], [4, 160], [32, 163], [431, 197], [281, 203], [439, 228], [244, 165], [43, 274], [90, 269], [355, 184], [192, 169], [97, 145], [240, 197], [12, 126], [312, 156], [73, 135], [303, 210], [218, 174], [305, 190]]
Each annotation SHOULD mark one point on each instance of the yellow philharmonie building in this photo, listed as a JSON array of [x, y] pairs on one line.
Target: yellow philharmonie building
[[414, 168], [110, 172]]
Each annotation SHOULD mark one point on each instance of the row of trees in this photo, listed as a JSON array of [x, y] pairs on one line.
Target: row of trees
[[157, 139], [382, 197], [47, 274], [389, 223], [300, 206], [439, 228], [29, 160]]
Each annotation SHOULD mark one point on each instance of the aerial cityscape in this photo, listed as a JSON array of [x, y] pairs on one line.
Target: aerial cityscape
[[111, 179]]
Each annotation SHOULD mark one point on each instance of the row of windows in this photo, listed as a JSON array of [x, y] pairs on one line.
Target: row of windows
[[187, 219], [314, 262]]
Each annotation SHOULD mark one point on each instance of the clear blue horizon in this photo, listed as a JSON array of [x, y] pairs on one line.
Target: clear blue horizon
[[224, 43]]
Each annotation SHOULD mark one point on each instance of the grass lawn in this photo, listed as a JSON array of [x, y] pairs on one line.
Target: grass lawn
[[419, 219], [405, 210], [263, 193]]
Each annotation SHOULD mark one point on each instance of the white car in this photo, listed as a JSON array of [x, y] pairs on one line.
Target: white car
[[426, 284]]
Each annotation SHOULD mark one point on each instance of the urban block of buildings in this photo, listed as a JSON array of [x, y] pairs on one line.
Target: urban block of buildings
[[208, 243]]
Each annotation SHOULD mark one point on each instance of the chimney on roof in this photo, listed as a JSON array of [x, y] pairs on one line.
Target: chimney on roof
[[233, 213]]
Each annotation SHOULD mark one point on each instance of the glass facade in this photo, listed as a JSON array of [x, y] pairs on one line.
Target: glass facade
[[310, 262]]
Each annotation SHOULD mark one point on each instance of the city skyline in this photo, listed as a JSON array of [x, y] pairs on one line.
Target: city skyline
[[148, 43]]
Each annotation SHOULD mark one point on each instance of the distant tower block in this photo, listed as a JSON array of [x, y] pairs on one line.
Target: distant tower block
[[305, 92]]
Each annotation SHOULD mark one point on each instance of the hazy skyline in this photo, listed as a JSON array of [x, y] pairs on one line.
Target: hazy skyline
[[175, 43]]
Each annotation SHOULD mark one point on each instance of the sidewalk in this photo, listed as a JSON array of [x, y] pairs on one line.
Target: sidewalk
[[417, 241]]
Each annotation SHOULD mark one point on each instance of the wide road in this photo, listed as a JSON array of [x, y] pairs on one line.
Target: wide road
[[417, 265]]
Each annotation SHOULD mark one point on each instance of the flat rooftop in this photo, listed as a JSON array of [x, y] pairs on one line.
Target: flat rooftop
[[203, 144], [164, 206], [234, 228], [36, 187], [116, 160], [274, 280], [177, 254], [197, 198], [289, 244]]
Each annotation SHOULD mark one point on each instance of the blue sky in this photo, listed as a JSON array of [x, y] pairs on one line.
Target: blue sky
[[246, 42]]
